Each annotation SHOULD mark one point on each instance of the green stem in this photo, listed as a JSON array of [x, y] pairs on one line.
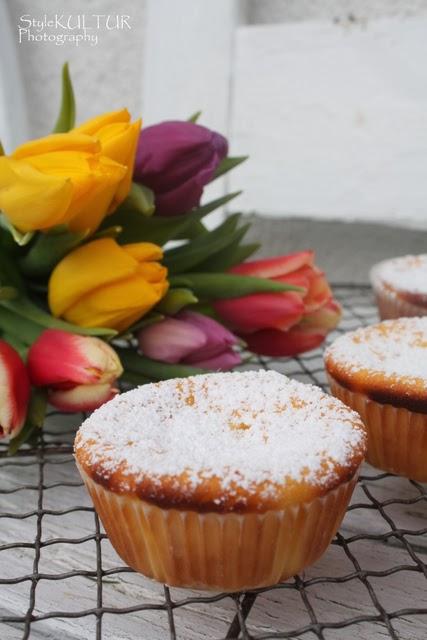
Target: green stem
[[23, 329], [135, 378], [135, 363]]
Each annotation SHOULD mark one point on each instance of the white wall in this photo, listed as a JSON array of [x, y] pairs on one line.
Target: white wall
[[106, 76], [334, 117]]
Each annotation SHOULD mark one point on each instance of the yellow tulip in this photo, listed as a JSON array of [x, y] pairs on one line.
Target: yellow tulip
[[73, 178], [119, 138], [103, 284]]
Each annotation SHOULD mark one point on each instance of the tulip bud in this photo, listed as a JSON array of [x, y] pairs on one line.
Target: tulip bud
[[288, 323], [79, 371], [176, 160], [14, 391], [190, 338], [104, 284]]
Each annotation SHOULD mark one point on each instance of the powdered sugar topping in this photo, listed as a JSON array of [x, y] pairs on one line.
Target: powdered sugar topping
[[243, 428], [406, 274], [397, 349]]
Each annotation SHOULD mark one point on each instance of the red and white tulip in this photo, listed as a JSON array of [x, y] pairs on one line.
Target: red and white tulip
[[79, 372], [283, 324], [14, 391]]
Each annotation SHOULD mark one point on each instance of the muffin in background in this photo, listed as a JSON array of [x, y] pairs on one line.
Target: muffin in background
[[400, 286], [222, 481], [380, 371]]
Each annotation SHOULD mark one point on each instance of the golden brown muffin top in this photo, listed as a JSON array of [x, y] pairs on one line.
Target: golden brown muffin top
[[244, 441], [404, 277], [386, 361]]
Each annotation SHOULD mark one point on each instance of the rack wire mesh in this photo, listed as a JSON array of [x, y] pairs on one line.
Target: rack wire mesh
[[59, 576]]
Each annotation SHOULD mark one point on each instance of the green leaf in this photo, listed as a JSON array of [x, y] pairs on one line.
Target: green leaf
[[19, 326], [195, 117], [187, 256], [8, 293], [2, 153], [135, 379], [35, 419], [26, 309], [16, 343], [193, 230], [140, 199], [160, 229], [175, 300], [9, 274], [215, 204], [108, 232], [67, 111], [21, 238], [234, 254], [215, 286], [48, 249], [135, 363], [227, 165]]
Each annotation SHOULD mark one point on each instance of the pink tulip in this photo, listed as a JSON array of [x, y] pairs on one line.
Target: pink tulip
[[283, 324], [14, 391], [190, 338], [78, 371]]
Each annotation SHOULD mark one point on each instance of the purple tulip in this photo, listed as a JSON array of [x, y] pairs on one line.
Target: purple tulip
[[190, 338], [176, 160]]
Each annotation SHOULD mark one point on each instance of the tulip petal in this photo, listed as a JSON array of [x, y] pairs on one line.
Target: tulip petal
[[30, 199], [111, 305], [57, 142], [275, 267], [119, 142], [170, 340], [327, 317], [222, 362], [92, 126], [219, 340], [274, 343], [176, 160], [261, 310], [319, 292], [174, 151], [81, 398], [143, 251], [87, 268], [14, 391], [179, 200], [104, 179], [58, 357]]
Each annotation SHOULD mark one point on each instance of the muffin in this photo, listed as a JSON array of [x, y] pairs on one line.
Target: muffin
[[400, 286], [381, 372], [224, 481]]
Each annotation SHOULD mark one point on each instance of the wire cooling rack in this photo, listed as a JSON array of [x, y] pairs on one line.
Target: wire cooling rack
[[60, 578]]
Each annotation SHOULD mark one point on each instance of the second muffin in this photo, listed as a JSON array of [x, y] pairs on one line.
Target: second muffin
[[381, 372]]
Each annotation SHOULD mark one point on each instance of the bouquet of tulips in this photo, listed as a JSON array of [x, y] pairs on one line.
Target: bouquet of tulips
[[92, 288]]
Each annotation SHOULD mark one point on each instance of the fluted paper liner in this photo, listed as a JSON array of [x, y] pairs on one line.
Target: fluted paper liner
[[397, 437], [391, 306], [222, 552]]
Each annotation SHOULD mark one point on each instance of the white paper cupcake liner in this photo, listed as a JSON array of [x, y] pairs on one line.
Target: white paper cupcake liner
[[397, 437], [221, 552]]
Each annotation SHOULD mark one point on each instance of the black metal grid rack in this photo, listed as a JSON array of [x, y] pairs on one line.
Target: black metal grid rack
[[403, 541]]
